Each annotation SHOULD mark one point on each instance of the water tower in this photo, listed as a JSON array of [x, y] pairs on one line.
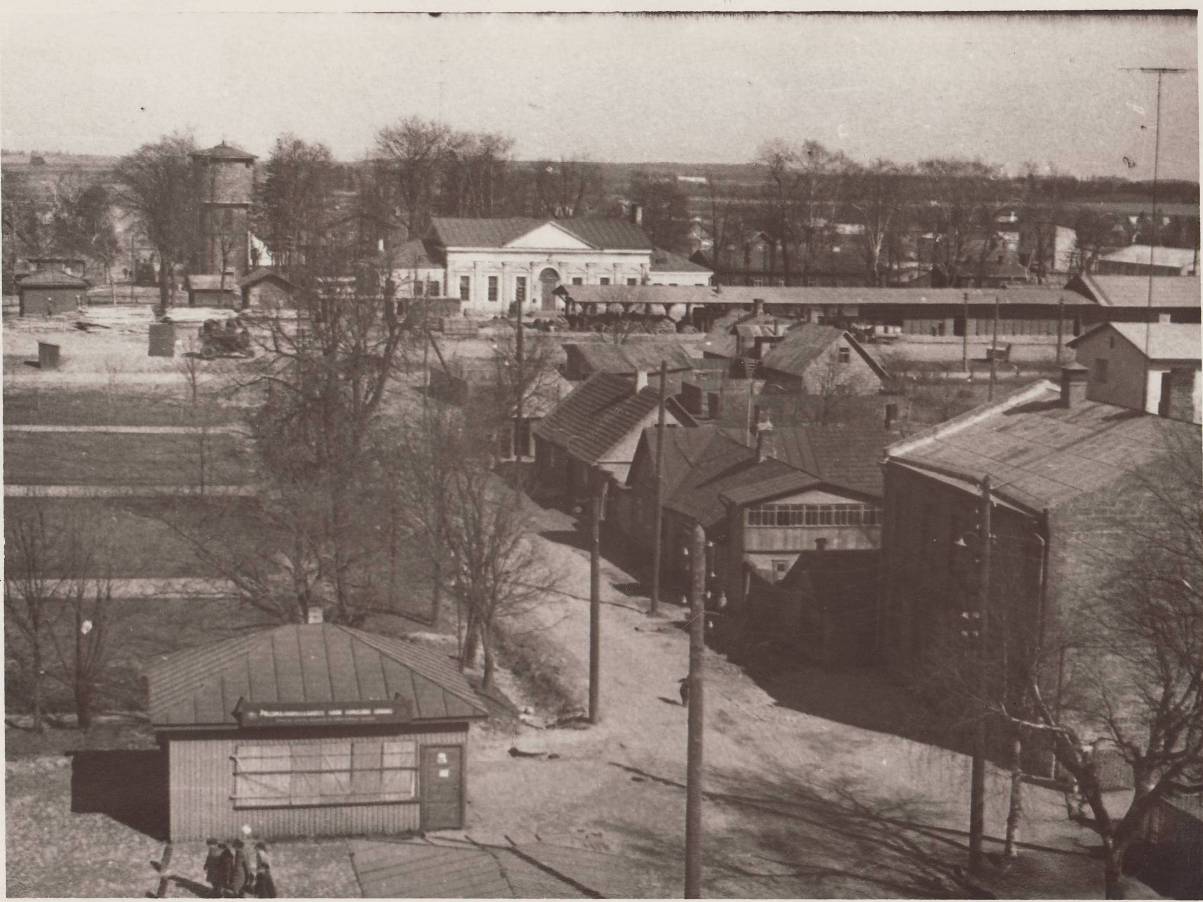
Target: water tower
[[225, 178]]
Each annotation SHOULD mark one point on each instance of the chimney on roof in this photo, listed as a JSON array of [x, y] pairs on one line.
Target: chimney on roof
[[1164, 318], [757, 306], [891, 415], [637, 214], [1073, 384], [640, 380], [314, 615], [764, 430]]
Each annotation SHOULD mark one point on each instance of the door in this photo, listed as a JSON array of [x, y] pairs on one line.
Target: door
[[549, 280], [442, 787]]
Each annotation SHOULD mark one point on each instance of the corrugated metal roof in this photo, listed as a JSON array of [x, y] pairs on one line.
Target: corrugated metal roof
[[1039, 453], [1133, 291], [301, 664], [599, 413]]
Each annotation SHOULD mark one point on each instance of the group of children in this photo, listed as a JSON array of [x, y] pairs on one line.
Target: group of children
[[235, 871]]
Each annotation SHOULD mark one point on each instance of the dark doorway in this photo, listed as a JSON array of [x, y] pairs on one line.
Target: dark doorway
[[442, 787], [549, 280], [958, 326], [129, 785], [1167, 389]]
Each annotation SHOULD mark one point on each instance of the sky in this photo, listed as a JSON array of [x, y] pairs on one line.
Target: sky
[[625, 88]]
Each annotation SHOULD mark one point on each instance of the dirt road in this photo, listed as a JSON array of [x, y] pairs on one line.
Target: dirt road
[[801, 805]]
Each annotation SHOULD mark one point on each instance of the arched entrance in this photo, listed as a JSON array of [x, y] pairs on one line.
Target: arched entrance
[[549, 280]]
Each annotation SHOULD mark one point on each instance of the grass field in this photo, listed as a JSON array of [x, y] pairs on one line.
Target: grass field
[[89, 407], [65, 458]]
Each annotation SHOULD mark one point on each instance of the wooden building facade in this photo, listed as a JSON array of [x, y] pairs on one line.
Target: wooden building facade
[[312, 730]]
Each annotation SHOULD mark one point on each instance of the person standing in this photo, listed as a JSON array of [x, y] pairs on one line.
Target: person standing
[[224, 873], [265, 886], [213, 867], [240, 880]]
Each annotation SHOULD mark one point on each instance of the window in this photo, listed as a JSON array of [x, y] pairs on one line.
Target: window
[[323, 772], [417, 288], [433, 289], [631, 280], [577, 280], [604, 280], [492, 288], [1100, 369], [465, 288], [780, 568], [845, 354], [794, 515], [520, 289]]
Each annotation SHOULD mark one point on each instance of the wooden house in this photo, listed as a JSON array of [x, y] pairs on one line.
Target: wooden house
[[267, 290], [822, 360], [208, 290], [312, 730], [51, 291]]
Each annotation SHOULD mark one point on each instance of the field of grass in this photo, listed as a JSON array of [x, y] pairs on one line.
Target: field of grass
[[66, 458], [90, 407]]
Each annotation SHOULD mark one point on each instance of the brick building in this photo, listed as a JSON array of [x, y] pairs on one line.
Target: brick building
[[225, 181]]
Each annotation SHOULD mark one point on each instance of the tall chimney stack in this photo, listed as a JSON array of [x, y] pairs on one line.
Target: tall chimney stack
[[314, 615], [757, 306], [1073, 384]]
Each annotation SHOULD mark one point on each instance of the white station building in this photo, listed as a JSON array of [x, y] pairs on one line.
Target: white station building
[[490, 265]]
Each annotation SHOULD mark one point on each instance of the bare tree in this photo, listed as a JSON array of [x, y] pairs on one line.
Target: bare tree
[[412, 154], [800, 181], [156, 184], [23, 231], [294, 197], [879, 198], [81, 219]]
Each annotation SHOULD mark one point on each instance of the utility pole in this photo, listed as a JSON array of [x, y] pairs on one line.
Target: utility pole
[[520, 382], [1060, 325], [693, 771], [976, 634], [600, 485], [965, 336], [993, 353], [658, 539], [1160, 72]]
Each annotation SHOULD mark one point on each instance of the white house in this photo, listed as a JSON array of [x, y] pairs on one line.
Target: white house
[[1138, 259], [1144, 366], [493, 264]]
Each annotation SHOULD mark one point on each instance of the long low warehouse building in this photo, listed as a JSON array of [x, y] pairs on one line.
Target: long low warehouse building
[[916, 311]]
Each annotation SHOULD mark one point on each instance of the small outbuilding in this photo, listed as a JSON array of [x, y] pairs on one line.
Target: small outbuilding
[[51, 291], [266, 289], [213, 290], [312, 730]]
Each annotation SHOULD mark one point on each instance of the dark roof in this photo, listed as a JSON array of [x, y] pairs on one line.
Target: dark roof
[[698, 465], [52, 278], [300, 664], [255, 276], [224, 151], [606, 234], [1030, 295], [667, 261], [598, 413], [634, 355], [417, 254], [1036, 452], [1133, 291]]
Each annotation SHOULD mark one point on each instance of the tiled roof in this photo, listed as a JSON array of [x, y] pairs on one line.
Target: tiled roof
[[804, 344], [667, 261], [632, 356], [599, 413], [224, 151], [1133, 291], [1165, 341], [848, 456], [1162, 256], [604, 234], [1038, 453], [300, 664], [255, 276], [699, 464], [52, 278]]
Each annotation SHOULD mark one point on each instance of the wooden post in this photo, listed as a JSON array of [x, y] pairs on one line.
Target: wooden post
[[977, 780], [993, 353], [658, 538], [965, 336], [1060, 324], [601, 483], [693, 770], [520, 381]]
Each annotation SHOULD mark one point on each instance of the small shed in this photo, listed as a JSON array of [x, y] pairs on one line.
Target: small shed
[[213, 290], [50, 292], [312, 730], [266, 289]]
